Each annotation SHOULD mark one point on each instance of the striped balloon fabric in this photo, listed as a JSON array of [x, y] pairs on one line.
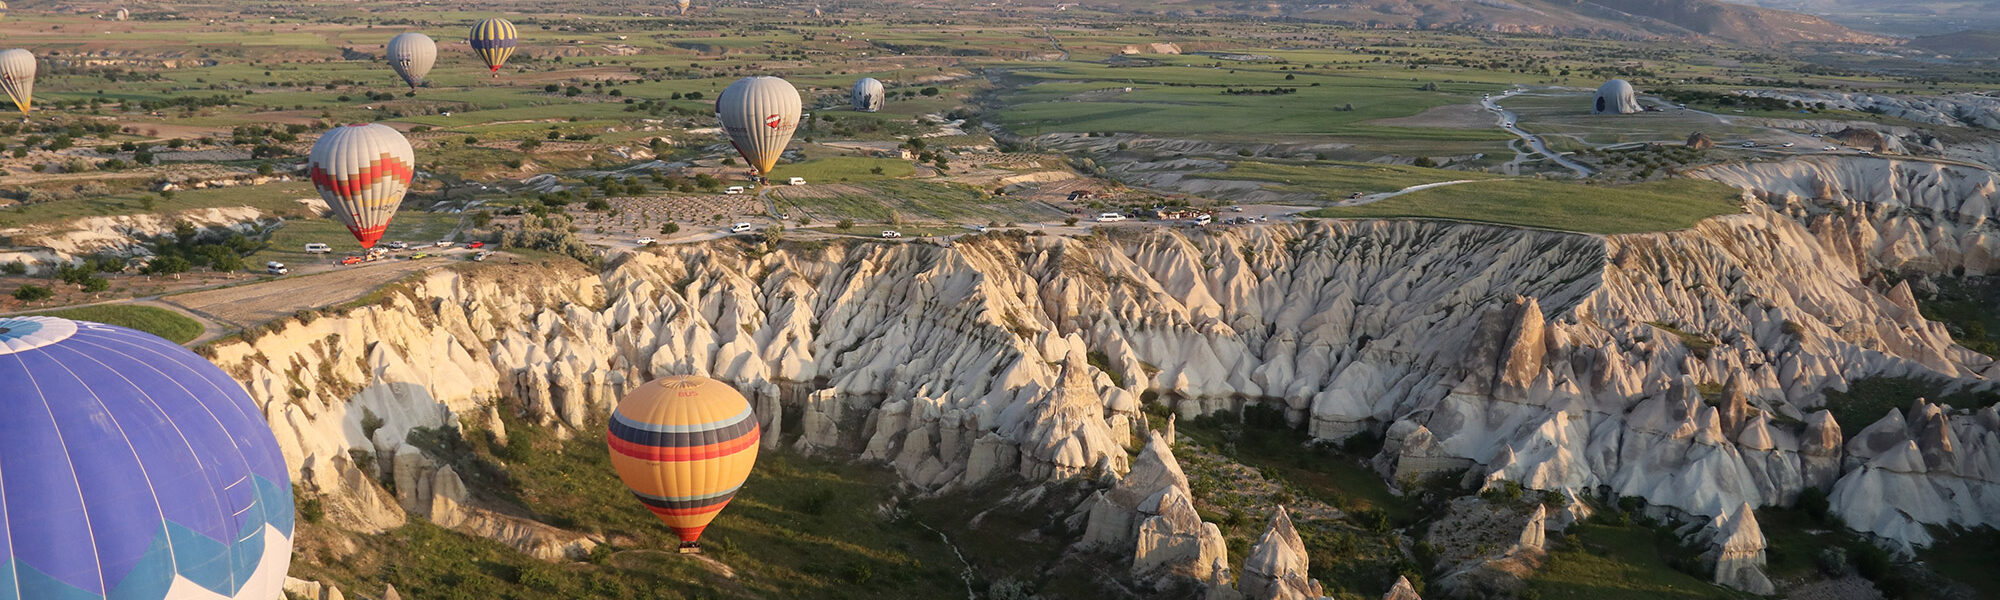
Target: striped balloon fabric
[[132, 469], [17, 77], [684, 445], [494, 40], [759, 114], [362, 171]]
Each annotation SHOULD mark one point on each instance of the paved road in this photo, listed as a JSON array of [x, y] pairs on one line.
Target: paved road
[[1507, 121], [1373, 198]]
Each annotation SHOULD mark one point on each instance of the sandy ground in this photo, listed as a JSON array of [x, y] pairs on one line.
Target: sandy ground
[[250, 305]]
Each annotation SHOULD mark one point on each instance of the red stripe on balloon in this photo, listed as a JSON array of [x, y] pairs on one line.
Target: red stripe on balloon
[[385, 167], [660, 454]]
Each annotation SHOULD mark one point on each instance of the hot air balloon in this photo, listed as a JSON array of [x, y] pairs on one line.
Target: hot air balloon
[[494, 39], [17, 76], [760, 114], [411, 55], [3, 11], [133, 469], [122, 14], [362, 171], [684, 5], [868, 95], [684, 445]]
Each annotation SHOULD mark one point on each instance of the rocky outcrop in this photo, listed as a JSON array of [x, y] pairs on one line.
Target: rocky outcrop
[[1700, 141], [1277, 566], [1149, 513], [1931, 464], [1402, 590], [41, 247], [1737, 551]]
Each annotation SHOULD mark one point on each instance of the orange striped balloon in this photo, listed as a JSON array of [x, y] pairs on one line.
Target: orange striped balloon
[[684, 445]]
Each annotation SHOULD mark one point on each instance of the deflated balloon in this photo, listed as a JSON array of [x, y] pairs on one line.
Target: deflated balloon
[[17, 77], [362, 171], [684, 445], [759, 114], [868, 95], [494, 40], [134, 470], [411, 55]]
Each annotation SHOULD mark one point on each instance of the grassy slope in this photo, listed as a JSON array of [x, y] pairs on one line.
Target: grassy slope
[[1868, 400], [1334, 180], [1626, 562], [154, 320], [1653, 206]]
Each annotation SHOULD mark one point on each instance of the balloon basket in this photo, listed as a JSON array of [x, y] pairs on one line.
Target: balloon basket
[[690, 548]]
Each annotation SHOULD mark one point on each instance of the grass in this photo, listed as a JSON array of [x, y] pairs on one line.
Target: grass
[[1971, 308], [1645, 207], [1868, 400], [1336, 180], [801, 527], [154, 320], [844, 169], [287, 243], [1627, 562], [1968, 557]]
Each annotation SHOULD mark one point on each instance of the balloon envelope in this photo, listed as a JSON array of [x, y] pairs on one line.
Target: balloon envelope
[[759, 114], [411, 55], [868, 95], [362, 171], [684, 6], [131, 468], [494, 40], [684, 445], [17, 77]]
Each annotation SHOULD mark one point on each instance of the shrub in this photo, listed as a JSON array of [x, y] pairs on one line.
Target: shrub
[[32, 292]]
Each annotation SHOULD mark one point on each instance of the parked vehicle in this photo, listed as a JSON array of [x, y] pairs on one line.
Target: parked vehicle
[[476, 245], [741, 227], [420, 255], [733, 190], [798, 181], [318, 248], [892, 234], [646, 241], [399, 245], [443, 244], [1110, 217], [482, 255], [276, 268], [351, 260]]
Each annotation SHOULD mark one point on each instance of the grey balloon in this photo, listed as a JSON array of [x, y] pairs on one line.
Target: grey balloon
[[760, 114], [17, 77], [868, 95], [411, 55]]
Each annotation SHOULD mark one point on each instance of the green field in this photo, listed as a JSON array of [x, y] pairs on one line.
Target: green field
[[1627, 562], [843, 169], [1654, 206], [287, 242], [1333, 180], [157, 321]]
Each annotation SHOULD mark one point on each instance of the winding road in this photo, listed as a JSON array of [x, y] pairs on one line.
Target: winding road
[[1507, 121]]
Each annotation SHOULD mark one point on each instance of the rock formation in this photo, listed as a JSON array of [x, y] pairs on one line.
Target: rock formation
[[1402, 590], [1277, 566], [1700, 141], [1738, 552]]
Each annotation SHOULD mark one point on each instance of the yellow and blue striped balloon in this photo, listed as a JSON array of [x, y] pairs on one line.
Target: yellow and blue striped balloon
[[684, 445], [494, 40]]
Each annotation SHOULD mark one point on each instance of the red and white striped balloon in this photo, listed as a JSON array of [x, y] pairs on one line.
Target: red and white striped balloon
[[362, 171]]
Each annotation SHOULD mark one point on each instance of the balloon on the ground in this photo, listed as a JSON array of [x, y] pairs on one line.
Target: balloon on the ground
[[759, 114], [131, 468], [868, 95], [411, 55], [684, 445], [362, 171], [17, 77], [684, 6], [494, 40]]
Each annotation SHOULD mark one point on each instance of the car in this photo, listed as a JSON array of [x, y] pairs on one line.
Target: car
[[892, 234], [1204, 220], [1235, 209], [420, 255], [318, 248], [1866, 152], [1789, 144], [741, 227], [482, 255], [1818, 135], [733, 190], [399, 245], [276, 268], [351, 260], [1749, 144], [1109, 217], [646, 241], [1830, 149], [475, 245], [797, 181], [442, 244], [1354, 196], [981, 229]]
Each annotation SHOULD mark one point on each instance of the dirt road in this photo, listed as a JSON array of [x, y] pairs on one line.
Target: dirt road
[[257, 303]]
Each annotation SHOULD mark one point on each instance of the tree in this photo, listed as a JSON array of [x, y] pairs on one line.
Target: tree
[[670, 228], [845, 224], [32, 293], [930, 91], [707, 181]]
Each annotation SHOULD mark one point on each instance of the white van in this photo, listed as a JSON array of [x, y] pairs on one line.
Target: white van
[[733, 190], [798, 181], [741, 227], [1204, 220], [1110, 217], [276, 268], [318, 248]]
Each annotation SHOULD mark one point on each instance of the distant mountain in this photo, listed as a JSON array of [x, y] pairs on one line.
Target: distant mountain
[[1899, 17], [1963, 44], [1636, 19]]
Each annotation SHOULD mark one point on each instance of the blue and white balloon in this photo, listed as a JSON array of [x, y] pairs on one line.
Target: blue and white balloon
[[130, 468]]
